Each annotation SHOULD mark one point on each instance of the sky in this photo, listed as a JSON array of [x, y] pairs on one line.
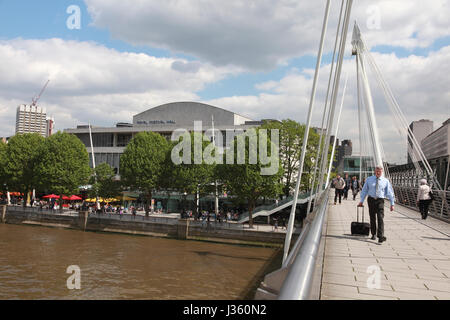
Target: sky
[[110, 59]]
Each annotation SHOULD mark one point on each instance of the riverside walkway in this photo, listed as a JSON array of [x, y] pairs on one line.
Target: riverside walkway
[[413, 264]]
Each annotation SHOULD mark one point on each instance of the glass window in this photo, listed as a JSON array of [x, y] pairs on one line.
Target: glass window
[[84, 137], [102, 139], [123, 139]]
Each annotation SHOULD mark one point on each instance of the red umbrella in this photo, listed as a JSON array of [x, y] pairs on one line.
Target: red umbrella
[[51, 196], [74, 198]]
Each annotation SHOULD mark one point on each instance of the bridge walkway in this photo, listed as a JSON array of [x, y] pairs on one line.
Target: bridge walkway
[[414, 262]]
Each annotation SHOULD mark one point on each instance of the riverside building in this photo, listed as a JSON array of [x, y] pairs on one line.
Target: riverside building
[[109, 142]]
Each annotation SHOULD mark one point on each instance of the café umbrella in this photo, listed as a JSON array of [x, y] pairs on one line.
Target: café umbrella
[[74, 198], [51, 196]]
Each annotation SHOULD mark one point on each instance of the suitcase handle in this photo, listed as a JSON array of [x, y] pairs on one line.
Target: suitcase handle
[[357, 213]]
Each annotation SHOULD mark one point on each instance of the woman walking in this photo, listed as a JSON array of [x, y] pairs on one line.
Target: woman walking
[[423, 198]]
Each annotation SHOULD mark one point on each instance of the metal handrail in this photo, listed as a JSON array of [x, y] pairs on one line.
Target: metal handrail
[[298, 282], [272, 206]]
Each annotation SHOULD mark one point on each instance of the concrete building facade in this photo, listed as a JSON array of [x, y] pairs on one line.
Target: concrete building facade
[[436, 147], [420, 129]]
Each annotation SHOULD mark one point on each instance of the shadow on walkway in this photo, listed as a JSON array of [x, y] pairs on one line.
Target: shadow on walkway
[[436, 238], [351, 237]]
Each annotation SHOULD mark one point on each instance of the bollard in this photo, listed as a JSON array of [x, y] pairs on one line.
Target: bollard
[[183, 229], [4, 213], [82, 219]]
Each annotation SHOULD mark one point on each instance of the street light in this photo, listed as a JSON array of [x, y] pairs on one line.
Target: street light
[[184, 205]]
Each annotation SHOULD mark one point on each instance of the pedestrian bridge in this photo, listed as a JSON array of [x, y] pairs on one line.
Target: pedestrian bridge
[[414, 262]]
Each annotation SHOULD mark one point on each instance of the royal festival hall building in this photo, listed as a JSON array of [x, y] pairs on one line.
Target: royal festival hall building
[[109, 142]]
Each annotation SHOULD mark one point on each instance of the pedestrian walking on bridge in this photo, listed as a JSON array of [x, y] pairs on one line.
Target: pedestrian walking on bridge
[[348, 183], [356, 187], [339, 185], [377, 188], [423, 198]]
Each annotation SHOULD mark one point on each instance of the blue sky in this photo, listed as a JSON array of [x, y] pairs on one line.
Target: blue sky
[[249, 58]]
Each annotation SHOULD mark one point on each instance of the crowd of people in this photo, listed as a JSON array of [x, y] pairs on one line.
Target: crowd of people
[[344, 185], [208, 216]]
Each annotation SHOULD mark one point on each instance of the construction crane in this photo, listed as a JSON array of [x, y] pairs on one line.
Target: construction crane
[[36, 98]]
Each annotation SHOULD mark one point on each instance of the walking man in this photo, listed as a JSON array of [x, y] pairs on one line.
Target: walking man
[[377, 188], [339, 185]]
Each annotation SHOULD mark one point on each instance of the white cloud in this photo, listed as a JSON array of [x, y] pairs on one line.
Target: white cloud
[[420, 85], [89, 82], [258, 35]]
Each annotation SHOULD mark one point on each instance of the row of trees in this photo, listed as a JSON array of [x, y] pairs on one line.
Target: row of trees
[[147, 165], [60, 164]]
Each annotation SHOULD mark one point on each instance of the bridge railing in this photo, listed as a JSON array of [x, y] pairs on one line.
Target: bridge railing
[[38, 210], [299, 281], [299, 277], [439, 207]]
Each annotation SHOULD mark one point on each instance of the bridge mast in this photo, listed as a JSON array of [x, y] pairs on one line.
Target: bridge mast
[[359, 48]]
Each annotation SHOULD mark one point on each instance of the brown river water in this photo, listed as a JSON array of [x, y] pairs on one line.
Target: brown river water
[[34, 261]]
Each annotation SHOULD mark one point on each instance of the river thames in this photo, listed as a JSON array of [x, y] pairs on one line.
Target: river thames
[[34, 260]]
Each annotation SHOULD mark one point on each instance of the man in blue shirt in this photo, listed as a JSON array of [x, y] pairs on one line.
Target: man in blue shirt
[[377, 188]]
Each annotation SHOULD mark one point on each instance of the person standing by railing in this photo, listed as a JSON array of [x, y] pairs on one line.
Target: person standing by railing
[[377, 188], [423, 198]]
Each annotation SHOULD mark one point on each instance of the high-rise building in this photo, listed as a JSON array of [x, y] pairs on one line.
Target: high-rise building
[[344, 149], [420, 129], [31, 119]]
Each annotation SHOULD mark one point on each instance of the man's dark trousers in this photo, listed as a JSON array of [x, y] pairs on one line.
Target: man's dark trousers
[[376, 213], [338, 193]]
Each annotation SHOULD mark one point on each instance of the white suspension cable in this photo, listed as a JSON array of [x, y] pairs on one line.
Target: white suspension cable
[[314, 190], [336, 133], [306, 134], [336, 83]]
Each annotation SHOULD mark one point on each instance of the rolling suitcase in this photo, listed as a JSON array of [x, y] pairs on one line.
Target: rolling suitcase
[[360, 228]]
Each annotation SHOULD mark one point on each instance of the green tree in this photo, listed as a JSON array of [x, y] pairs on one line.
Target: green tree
[[142, 162], [291, 140], [23, 153], [246, 181], [104, 183], [64, 164], [195, 177]]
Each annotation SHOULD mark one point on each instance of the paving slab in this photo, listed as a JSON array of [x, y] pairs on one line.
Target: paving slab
[[413, 264]]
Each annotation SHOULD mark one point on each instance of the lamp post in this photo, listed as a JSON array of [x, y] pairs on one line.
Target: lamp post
[[184, 205]]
